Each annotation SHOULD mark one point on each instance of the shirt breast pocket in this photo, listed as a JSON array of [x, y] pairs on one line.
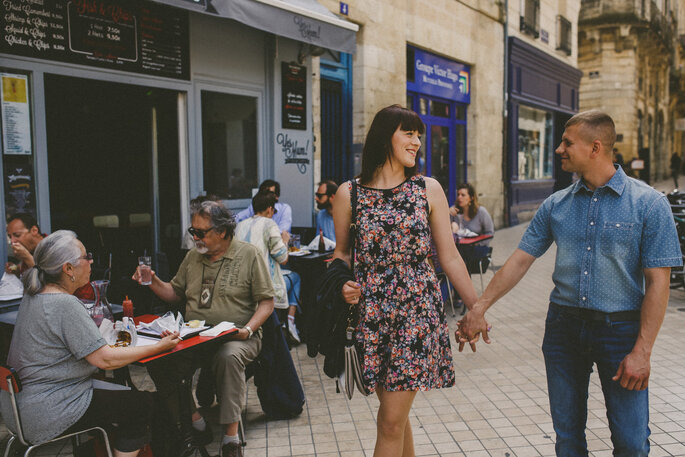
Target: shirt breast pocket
[[619, 239]]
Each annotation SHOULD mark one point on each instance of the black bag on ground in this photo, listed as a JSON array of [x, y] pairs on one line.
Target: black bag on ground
[[278, 386]]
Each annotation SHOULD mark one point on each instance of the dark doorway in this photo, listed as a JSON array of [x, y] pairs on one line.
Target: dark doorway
[[102, 170], [562, 179]]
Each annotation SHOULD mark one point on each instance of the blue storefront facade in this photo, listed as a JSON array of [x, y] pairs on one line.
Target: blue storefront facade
[[438, 89], [542, 96]]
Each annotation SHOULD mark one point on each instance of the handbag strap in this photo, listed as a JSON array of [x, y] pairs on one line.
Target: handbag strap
[[353, 251], [353, 224]]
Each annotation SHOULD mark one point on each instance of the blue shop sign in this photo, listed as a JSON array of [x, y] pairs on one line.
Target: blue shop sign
[[440, 77]]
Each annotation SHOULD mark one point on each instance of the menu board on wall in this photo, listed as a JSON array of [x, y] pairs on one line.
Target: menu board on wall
[[128, 35], [294, 96], [16, 114]]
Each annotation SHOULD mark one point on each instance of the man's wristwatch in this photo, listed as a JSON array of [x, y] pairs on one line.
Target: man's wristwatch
[[249, 331]]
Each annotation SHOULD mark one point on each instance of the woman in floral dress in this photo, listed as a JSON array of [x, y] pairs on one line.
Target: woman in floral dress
[[402, 333]]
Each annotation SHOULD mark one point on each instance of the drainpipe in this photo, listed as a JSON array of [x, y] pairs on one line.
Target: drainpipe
[[505, 102]]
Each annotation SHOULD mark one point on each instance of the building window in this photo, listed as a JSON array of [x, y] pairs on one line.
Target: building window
[[530, 17], [564, 40], [535, 147], [229, 144]]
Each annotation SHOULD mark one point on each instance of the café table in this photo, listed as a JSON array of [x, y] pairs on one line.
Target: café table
[[193, 343]]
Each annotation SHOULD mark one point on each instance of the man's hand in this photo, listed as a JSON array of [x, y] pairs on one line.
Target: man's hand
[[470, 327], [242, 334], [21, 253], [633, 372], [136, 275], [351, 291], [169, 341], [285, 236]]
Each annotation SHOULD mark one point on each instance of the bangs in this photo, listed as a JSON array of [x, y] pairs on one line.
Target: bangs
[[410, 121]]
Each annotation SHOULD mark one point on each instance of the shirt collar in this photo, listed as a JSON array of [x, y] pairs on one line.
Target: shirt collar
[[617, 183]]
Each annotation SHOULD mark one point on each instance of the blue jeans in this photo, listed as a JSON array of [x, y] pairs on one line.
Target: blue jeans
[[571, 347], [292, 282]]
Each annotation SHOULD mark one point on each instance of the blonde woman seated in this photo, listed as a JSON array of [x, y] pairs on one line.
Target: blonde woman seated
[[468, 216]]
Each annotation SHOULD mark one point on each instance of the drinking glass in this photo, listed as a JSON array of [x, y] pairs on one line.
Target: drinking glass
[[145, 268]]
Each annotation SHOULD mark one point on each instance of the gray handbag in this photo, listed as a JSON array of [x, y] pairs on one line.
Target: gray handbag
[[352, 374]]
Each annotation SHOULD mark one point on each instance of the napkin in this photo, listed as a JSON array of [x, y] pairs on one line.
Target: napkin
[[10, 287], [314, 245], [217, 329], [466, 233]]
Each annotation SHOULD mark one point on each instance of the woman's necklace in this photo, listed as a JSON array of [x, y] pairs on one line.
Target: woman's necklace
[[208, 286]]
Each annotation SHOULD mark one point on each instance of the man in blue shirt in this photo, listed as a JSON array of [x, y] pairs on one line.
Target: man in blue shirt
[[284, 214], [616, 241], [324, 197]]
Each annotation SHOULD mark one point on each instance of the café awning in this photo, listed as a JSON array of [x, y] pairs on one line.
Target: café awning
[[303, 20]]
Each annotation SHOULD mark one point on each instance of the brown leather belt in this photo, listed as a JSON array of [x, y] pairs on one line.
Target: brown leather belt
[[593, 315]]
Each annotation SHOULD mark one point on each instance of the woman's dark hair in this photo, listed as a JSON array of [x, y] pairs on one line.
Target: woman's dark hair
[[263, 201], [473, 206], [378, 144]]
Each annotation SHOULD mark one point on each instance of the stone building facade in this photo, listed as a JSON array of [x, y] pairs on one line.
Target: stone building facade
[[478, 35], [468, 35], [626, 54]]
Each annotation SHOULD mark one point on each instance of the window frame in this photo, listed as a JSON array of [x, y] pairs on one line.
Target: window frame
[[530, 25], [262, 161], [564, 35]]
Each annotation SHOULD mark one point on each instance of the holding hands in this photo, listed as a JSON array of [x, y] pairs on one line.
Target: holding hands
[[470, 328]]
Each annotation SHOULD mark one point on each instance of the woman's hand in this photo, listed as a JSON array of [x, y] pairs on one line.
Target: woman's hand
[[454, 211], [169, 341], [351, 292]]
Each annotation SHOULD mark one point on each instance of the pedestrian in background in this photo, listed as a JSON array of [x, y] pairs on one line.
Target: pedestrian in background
[[616, 244], [402, 334], [676, 163]]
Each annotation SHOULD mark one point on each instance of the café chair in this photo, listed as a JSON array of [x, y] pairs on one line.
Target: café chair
[[442, 277], [478, 260], [9, 382]]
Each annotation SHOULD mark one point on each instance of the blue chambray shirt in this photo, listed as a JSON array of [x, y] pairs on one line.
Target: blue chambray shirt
[[604, 241]]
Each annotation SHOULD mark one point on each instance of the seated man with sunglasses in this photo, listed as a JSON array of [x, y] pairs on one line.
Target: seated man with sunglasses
[[220, 279]]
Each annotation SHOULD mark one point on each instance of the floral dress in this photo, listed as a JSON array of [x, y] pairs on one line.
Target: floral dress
[[402, 333]]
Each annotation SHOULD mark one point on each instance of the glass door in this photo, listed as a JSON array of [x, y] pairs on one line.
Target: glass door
[[443, 154]]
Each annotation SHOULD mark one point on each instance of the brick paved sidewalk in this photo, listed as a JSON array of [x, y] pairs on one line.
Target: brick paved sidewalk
[[498, 407]]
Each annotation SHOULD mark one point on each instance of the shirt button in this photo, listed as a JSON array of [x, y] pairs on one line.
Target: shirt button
[[584, 298], [594, 199], [618, 225], [585, 272], [589, 248], [592, 223]]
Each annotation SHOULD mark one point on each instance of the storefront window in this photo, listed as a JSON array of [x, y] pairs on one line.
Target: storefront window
[[229, 141], [535, 147]]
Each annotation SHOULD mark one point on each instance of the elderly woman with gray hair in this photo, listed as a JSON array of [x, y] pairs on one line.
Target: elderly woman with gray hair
[[220, 279], [56, 347]]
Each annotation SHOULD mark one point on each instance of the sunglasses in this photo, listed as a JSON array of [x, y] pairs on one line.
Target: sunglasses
[[198, 232], [318, 195]]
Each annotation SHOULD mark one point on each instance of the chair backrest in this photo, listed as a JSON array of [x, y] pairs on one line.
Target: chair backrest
[[479, 259], [9, 382], [9, 379]]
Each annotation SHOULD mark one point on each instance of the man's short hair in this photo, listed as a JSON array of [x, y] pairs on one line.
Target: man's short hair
[[267, 183], [263, 201], [220, 217], [600, 127], [331, 187], [27, 219]]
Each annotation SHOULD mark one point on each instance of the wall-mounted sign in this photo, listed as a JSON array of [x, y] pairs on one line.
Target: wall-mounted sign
[[128, 35], [16, 114], [294, 96], [437, 76]]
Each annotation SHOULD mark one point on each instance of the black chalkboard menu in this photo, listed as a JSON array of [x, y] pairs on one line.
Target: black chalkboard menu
[[294, 96], [128, 35]]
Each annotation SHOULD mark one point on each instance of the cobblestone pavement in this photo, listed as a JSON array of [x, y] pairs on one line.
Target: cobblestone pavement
[[499, 405]]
